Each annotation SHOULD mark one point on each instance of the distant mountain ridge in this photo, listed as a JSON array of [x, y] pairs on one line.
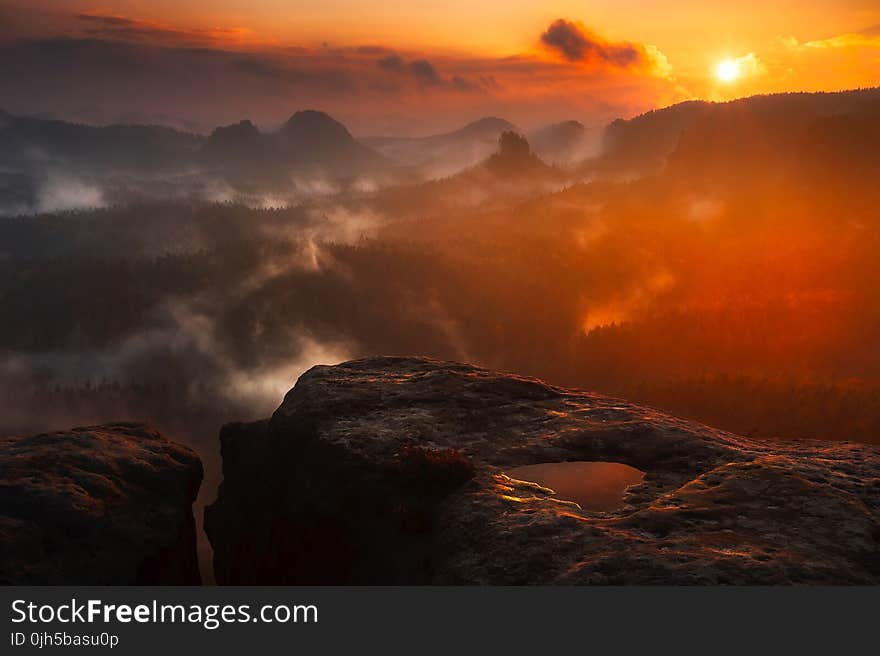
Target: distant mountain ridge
[[516, 159], [487, 127], [309, 141], [694, 138], [27, 143], [565, 143], [448, 152], [698, 129]]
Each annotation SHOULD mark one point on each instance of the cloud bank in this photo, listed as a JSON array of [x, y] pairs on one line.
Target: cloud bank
[[122, 69]]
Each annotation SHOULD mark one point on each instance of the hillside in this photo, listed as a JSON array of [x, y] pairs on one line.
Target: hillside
[[310, 142], [566, 143], [641, 145], [447, 153], [28, 143], [51, 166]]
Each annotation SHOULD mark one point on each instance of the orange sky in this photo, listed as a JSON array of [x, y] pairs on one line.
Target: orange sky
[[459, 59]]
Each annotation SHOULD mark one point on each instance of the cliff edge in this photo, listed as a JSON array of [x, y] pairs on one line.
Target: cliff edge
[[394, 471], [102, 505]]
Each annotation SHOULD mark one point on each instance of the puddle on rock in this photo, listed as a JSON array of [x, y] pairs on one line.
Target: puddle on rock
[[596, 486]]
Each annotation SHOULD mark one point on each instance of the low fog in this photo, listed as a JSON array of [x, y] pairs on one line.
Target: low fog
[[723, 273]]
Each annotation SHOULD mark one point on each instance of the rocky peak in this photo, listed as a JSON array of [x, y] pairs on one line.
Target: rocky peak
[[243, 131], [515, 157], [312, 126]]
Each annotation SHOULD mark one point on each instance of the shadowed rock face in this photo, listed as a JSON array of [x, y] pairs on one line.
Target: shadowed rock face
[[103, 505], [390, 470]]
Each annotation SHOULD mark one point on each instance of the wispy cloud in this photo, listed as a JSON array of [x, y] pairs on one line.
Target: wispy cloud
[[867, 38], [113, 26]]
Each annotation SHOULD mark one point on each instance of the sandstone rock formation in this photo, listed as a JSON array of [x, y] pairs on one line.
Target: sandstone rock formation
[[103, 505], [391, 470]]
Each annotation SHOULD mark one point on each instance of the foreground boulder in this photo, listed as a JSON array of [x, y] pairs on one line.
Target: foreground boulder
[[392, 471], [104, 505]]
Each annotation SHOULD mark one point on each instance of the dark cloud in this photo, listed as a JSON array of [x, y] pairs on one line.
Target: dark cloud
[[99, 25], [372, 50], [259, 67], [424, 72], [91, 59], [391, 63], [427, 75], [489, 82], [112, 21], [463, 84], [207, 85], [578, 45]]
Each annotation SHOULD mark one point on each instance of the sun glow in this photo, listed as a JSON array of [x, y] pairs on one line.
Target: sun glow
[[728, 70]]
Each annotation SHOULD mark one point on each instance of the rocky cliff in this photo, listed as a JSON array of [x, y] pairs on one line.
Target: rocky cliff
[[392, 470], [104, 505]]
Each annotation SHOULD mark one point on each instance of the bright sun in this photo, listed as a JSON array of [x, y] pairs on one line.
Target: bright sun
[[727, 70]]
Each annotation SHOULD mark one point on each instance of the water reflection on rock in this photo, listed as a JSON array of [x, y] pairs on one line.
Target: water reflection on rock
[[595, 486]]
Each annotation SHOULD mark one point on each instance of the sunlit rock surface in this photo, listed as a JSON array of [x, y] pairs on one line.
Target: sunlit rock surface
[[391, 470], [103, 505]]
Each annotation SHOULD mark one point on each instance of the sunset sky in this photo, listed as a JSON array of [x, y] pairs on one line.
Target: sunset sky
[[419, 66]]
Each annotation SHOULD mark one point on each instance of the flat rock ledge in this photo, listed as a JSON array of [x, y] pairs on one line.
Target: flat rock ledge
[[392, 471], [101, 505]]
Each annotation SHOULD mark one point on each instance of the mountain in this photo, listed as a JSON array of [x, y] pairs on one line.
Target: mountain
[[239, 139], [718, 134], [393, 470], [31, 144], [313, 139], [510, 174], [841, 150], [49, 165], [640, 146], [310, 142], [444, 154], [482, 129], [565, 143], [516, 159], [767, 138], [240, 150]]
